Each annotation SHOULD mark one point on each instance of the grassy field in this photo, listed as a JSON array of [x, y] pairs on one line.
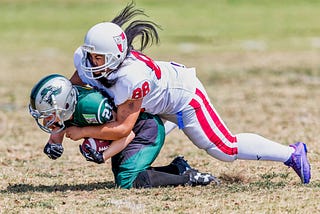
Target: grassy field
[[260, 63]]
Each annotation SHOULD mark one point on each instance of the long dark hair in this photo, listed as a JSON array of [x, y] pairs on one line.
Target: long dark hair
[[144, 28]]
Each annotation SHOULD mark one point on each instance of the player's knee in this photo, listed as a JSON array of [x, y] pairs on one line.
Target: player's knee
[[218, 154], [142, 180]]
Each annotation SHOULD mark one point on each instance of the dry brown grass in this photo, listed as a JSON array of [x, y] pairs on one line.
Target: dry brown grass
[[272, 94]]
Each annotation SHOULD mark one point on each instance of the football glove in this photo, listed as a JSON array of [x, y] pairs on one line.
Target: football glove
[[53, 150], [92, 155]]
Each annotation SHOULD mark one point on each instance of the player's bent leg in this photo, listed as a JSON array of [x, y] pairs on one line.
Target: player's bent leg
[[205, 128], [191, 177], [151, 178], [178, 166], [222, 152], [141, 152], [210, 138]]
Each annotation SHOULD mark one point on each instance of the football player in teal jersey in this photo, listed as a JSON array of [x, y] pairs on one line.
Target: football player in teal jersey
[[56, 104]]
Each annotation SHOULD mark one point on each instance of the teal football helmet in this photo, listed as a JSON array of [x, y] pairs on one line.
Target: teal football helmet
[[53, 100]]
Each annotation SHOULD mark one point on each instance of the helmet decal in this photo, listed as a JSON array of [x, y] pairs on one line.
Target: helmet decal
[[120, 41], [46, 94]]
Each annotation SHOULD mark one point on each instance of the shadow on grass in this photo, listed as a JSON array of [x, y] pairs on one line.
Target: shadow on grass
[[268, 181], [21, 188]]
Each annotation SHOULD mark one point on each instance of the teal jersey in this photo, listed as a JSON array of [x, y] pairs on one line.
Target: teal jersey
[[92, 108]]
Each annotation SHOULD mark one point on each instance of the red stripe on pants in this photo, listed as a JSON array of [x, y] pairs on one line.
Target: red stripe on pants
[[214, 138], [215, 118]]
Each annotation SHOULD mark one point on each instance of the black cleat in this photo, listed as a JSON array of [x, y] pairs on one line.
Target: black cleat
[[181, 163], [198, 178]]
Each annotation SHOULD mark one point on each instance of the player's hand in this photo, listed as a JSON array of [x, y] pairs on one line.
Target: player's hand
[[74, 133], [92, 155], [53, 150]]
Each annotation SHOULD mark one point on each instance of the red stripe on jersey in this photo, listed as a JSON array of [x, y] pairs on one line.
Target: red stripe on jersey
[[149, 62], [207, 128], [215, 118]]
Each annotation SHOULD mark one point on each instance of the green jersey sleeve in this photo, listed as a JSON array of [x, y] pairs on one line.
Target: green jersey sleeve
[[92, 108]]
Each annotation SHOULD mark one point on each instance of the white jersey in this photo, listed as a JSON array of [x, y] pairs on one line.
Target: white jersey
[[164, 86], [177, 95]]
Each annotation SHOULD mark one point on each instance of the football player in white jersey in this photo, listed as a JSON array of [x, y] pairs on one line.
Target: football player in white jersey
[[107, 60]]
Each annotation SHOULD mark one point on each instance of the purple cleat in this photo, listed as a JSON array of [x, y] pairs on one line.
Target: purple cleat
[[299, 162]]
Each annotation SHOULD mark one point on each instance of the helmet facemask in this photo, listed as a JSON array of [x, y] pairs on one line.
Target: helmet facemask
[[97, 72], [48, 125], [106, 39]]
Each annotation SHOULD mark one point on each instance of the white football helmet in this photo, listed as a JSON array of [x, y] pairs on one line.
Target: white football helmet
[[53, 99], [108, 39]]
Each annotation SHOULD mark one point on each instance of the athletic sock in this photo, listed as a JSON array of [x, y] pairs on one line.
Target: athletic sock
[[255, 147], [152, 178], [171, 169]]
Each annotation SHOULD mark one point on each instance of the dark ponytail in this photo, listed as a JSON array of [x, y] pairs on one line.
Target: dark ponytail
[[146, 29]]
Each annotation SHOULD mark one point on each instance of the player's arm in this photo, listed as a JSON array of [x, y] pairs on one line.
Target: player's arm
[[127, 115], [117, 146], [57, 137], [114, 148], [54, 149]]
